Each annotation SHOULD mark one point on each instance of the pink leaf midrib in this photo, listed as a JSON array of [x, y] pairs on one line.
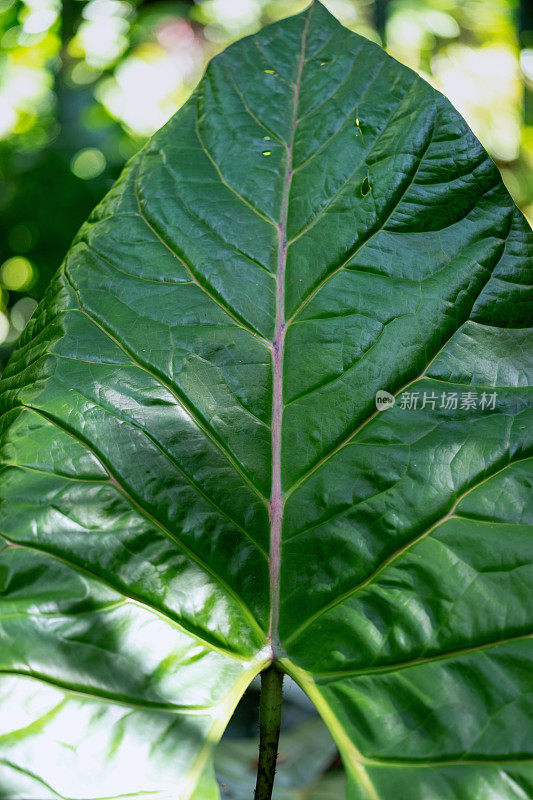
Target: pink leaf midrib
[[277, 499]]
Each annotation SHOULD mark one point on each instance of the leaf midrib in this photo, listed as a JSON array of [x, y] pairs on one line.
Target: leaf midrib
[[277, 500]]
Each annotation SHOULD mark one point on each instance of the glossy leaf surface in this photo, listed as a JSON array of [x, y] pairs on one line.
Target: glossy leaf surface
[[195, 478]]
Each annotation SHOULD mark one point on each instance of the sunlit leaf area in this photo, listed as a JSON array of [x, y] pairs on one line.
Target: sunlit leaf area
[[84, 83]]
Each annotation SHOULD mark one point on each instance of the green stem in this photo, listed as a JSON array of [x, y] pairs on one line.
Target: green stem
[[269, 726]]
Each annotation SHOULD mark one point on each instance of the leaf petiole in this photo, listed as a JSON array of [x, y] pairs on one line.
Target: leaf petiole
[[269, 728]]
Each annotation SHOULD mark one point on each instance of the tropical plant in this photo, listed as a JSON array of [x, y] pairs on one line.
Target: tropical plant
[[197, 486]]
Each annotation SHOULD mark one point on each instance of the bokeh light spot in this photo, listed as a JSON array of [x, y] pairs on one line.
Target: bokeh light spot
[[20, 238], [22, 311], [8, 118], [17, 273], [4, 327], [88, 163], [40, 20]]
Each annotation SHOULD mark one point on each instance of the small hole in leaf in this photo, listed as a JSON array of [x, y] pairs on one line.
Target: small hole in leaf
[[267, 152], [266, 138], [365, 186], [270, 71]]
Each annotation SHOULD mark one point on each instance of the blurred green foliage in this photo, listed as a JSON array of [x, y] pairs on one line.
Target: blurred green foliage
[[83, 83]]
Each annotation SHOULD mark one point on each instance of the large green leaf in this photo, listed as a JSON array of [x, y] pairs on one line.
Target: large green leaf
[[196, 479]]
